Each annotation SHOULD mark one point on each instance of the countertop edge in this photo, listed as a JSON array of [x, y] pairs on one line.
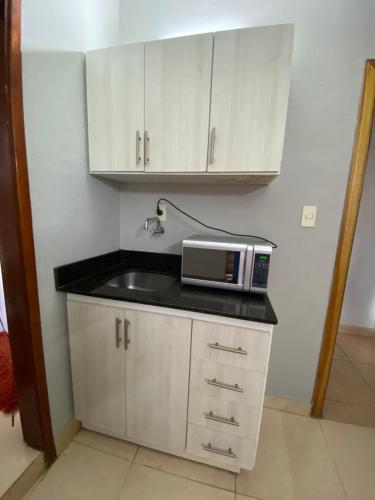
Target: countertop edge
[[66, 289]]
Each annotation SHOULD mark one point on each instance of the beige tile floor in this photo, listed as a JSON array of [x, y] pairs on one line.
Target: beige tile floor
[[351, 388], [15, 455], [299, 458]]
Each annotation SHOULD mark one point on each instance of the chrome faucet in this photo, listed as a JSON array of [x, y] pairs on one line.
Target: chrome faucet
[[157, 229]]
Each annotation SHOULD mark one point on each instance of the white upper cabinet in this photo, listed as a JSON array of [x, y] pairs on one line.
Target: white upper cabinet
[[202, 108], [250, 88], [115, 107], [177, 103]]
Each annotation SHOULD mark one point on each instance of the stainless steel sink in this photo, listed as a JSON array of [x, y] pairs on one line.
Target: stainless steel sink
[[142, 280]]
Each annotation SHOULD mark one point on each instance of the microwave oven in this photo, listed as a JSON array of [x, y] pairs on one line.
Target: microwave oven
[[226, 262]]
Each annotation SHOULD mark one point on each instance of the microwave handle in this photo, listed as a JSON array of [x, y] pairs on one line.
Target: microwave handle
[[248, 268], [241, 268]]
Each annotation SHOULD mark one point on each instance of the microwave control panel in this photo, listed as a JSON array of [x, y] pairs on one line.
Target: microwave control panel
[[260, 270]]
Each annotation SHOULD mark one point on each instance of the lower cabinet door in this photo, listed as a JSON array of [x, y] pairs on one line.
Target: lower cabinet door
[[157, 379], [96, 335]]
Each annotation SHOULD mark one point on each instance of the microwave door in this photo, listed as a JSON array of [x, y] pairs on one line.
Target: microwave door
[[219, 267]]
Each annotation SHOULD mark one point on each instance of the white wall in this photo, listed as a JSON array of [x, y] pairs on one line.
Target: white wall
[[332, 41], [69, 25], [3, 313], [359, 303], [75, 216]]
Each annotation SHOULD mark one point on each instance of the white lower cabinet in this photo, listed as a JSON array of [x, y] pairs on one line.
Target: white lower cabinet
[[150, 375]]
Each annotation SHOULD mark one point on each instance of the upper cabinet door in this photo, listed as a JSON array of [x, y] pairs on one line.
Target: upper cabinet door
[[115, 103], [250, 88], [177, 103]]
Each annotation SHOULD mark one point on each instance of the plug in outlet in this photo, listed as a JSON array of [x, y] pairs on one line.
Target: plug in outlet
[[163, 208]]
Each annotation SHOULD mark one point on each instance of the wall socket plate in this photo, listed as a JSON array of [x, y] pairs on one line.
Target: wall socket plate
[[163, 208]]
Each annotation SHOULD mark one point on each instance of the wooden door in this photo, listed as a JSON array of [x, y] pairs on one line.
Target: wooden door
[[98, 366], [115, 108], [177, 102], [157, 379], [250, 88]]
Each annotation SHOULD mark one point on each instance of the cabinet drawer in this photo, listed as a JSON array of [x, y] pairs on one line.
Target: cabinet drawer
[[226, 416], [227, 383], [222, 447], [231, 345]]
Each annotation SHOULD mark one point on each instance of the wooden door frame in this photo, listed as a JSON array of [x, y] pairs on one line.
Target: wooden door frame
[[346, 237], [16, 243]]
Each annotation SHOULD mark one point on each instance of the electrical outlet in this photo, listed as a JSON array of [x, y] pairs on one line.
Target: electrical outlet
[[163, 208]]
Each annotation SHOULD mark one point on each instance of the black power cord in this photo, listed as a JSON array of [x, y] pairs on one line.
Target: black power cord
[[159, 212]]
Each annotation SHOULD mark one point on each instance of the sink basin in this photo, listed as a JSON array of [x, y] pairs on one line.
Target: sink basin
[[142, 280]]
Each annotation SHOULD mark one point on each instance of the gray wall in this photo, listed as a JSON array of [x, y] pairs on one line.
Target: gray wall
[[74, 215], [332, 41], [359, 304]]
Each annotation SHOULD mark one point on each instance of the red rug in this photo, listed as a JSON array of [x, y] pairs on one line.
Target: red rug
[[8, 398]]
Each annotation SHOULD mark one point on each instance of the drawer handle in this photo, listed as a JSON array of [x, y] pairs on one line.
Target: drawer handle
[[219, 451], [237, 350], [223, 420], [216, 383]]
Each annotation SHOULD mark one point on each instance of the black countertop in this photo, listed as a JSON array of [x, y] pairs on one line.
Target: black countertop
[[87, 277]]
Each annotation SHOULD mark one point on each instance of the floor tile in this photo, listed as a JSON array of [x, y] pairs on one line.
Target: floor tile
[[107, 444], [27, 480], [339, 353], [353, 448], [336, 410], [358, 348], [368, 372], [186, 468], [293, 462], [347, 385], [82, 473], [15, 455], [145, 483], [350, 413]]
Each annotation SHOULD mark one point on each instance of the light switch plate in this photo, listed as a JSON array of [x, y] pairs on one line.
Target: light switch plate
[[308, 216], [163, 208]]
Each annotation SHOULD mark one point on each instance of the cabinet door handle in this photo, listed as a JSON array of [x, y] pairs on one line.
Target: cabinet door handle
[[147, 147], [118, 338], [216, 383], [138, 139], [223, 420], [236, 350], [219, 451], [126, 334], [212, 146]]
